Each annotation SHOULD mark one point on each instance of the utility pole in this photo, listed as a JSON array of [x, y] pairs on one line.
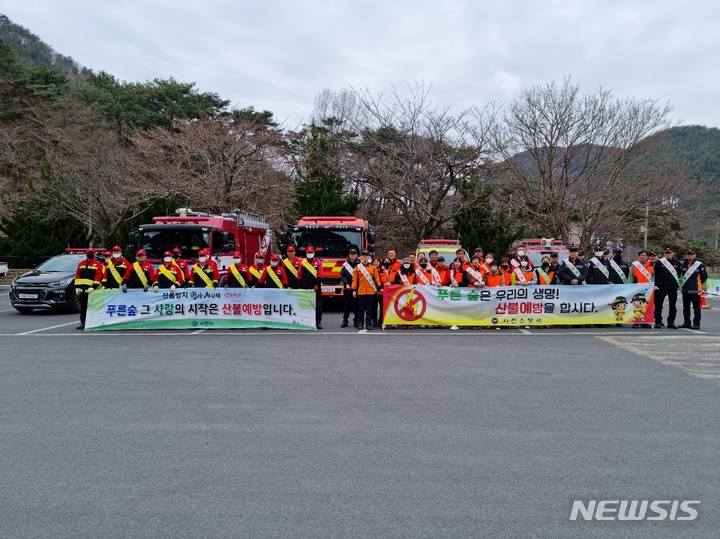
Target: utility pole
[[644, 228]]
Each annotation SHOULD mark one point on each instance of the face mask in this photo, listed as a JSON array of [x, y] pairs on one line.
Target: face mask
[[521, 253], [91, 256], [523, 264], [504, 266], [423, 264], [259, 261], [598, 254], [167, 259], [176, 256], [386, 264], [117, 255], [489, 259], [311, 256], [202, 259], [545, 265], [274, 263], [493, 269], [237, 260], [406, 266]]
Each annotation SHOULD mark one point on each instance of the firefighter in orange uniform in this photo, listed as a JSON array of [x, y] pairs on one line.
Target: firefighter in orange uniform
[[310, 275], [141, 274], [291, 265], [205, 273], [115, 267], [274, 276], [365, 284], [169, 275], [87, 278], [237, 275]]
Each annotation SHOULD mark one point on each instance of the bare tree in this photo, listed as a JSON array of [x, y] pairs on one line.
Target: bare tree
[[412, 155], [217, 164], [573, 158]]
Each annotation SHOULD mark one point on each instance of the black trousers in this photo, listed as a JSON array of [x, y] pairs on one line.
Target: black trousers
[[318, 306], [365, 309], [660, 295], [351, 304], [691, 300], [83, 298]]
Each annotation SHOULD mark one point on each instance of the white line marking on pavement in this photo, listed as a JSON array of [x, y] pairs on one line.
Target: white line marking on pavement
[[47, 328], [526, 332], [198, 331]]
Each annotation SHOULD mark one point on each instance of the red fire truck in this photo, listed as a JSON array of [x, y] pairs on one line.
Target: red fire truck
[[191, 231], [332, 238]]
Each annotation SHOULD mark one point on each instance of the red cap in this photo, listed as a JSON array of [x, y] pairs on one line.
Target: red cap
[[167, 253], [117, 248], [89, 250], [141, 252], [108, 253], [310, 249], [176, 250], [237, 254], [291, 248], [274, 257]]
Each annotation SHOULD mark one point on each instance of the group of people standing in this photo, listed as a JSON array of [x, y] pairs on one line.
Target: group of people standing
[[364, 289]]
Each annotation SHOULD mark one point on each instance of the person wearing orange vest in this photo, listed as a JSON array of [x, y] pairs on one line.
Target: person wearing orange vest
[[205, 273], [291, 265], [475, 274], [457, 273], [394, 262], [237, 275], [169, 275], [524, 274], [545, 273], [387, 276], [115, 267], [506, 270], [406, 275], [494, 277], [309, 277], [365, 285], [642, 268], [274, 276], [87, 278], [443, 271]]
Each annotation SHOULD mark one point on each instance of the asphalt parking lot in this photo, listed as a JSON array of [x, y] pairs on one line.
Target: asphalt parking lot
[[423, 433]]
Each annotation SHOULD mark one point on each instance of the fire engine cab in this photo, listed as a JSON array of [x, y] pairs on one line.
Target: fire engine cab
[[191, 231], [332, 238]]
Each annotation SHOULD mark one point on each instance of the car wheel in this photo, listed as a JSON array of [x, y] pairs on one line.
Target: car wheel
[[24, 310]]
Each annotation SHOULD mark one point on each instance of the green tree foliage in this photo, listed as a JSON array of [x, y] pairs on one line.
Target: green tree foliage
[[159, 103], [480, 223], [320, 187]]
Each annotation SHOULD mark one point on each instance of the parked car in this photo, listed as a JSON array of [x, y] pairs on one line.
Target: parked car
[[49, 286], [4, 269]]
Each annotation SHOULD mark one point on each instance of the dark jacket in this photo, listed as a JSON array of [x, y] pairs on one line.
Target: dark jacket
[[345, 276], [595, 274], [692, 283], [663, 277], [566, 275], [624, 266]]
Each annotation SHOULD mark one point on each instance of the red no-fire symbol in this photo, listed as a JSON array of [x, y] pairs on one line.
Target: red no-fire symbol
[[410, 306]]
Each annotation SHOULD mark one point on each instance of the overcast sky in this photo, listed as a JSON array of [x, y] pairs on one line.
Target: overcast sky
[[279, 54]]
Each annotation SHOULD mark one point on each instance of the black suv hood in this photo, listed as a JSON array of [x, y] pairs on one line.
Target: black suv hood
[[36, 277]]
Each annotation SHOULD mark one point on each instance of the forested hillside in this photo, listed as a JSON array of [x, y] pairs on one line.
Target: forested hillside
[[84, 157]]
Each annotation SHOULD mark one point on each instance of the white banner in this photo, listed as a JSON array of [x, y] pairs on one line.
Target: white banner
[[198, 308]]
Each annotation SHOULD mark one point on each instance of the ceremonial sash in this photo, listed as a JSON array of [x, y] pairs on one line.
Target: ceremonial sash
[[544, 275], [167, 273], [236, 273], [437, 281], [519, 274], [403, 278], [614, 265], [691, 270], [308, 266], [670, 268], [289, 265], [255, 273], [599, 265], [140, 273], [348, 267], [274, 277], [572, 268], [367, 276], [643, 270], [515, 263], [113, 270], [421, 276], [452, 277], [199, 271], [475, 274]]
